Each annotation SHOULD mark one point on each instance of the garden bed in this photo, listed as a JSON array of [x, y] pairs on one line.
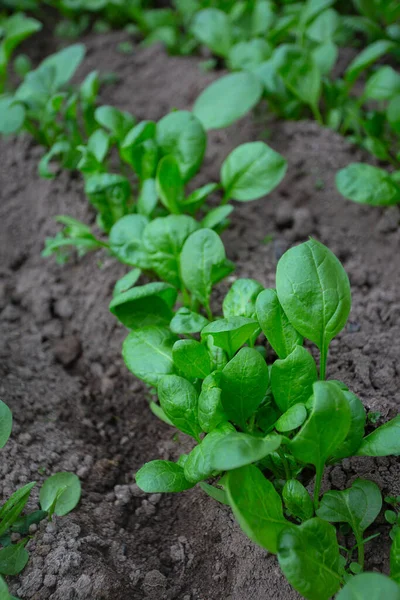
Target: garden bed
[[77, 408]]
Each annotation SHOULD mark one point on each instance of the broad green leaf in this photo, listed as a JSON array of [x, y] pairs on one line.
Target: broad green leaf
[[147, 353], [214, 492], [292, 378], [384, 441], [144, 305], [210, 409], [216, 216], [192, 359], [5, 423], [251, 171], [65, 63], [309, 558], [147, 199], [126, 238], [244, 382], [212, 28], [325, 429], [257, 506], [110, 195], [169, 184], [358, 506], [384, 84], [163, 240], [199, 465], [162, 476], [292, 418], [139, 149], [218, 355], [357, 426], [13, 558], [186, 322], [12, 115], [60, 492], [325, 57], [126, 282], [312, 8], [367, 185], [240, 301], [324, 26], [247, 55], [367, 57], [181, 135], [297, 500], [15, 29], [373, 586], [395, 558], [275, 325], [202, 254], [300, 74], [314, 291], [239, 449], [178, 399], [227, 100], [230, 334], [117, 122]]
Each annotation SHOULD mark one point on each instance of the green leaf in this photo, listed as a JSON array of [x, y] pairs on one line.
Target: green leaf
[[395, 558], [192, 359], [276, 327], [5, 423], [393, 114], [202, 255], [373, 586], [159, 413], [147, 199], [61, 491], [244, 382], [239, 449], [210, 410], [297, 500], [251, 171], [187, 322], [144, 305], [293, 418], [216, 216], [117, 122], [163, 240], [300, 74], [230, 334], [22, 524], [367, 57], [12, 115], [214, 492], [169, 184], [110, 194], [199, 465], [162, 476], [147, 353], [211, 27], [357, 426], [126, 282], [292, 378], [314, 291], [247, 55], [384, 84], [13, 507], [178, 399], [325, 57], [181, 135], [326, 427], [13, 559], [58, 149], [126, 238], [196, 199], [15, 29], [139, 149], [309, 558], [384, 441], [324, 26], [4, 594], [367, 185], [240, 301], [227, 100], [257, 506]]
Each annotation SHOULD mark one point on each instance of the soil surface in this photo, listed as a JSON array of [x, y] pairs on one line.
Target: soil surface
[[77, 408]]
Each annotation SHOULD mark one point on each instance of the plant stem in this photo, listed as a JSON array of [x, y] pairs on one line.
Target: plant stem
[[317, 114], [317, 486], [208, 311], [286, 466], [360, 548], [323, 359]]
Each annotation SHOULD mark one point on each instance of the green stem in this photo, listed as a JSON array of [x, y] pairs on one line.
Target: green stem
[[225, 200], [286, 466], [360, 548], [317, 114], [323, 359], [317, 486], [208, 311]]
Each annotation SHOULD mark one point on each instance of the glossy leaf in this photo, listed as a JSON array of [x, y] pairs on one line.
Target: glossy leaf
[[210, 410], [240, 301], [367, 57], [357, 426], [126, 282], [297, 500], [144, 305], [216, 216], [60, 493], [395, 558], [178, 399], [5, 423], [384, 84], [185, 322], [238, 449], [373, 586], [169, 183], [292, 378], [126, 238], [191, 358], [162, 476], [147, 353], [293, 418], [367, 185], [199, 464], [13, 559], [211, 27], [230, 334], [384, 441]]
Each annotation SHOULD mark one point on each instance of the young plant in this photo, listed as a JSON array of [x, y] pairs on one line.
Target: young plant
[[369, 185], [258, 429]]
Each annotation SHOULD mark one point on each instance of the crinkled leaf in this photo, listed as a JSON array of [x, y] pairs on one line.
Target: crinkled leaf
[[199, 464], [292, 378], [230, 334], [147, 353], [126, 238], [297, 500], [162, 476], [178, 399], [149, 304], [192, 359], [210, 410]]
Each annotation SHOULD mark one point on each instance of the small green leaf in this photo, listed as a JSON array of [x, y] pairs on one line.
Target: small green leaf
[[257, 506], [210, 409], [251, 171], [61, 490], [216, 216], [199, 465], [126, 282], [247, 55], [297, 500], [147, 353], [384, 441], [214, 492], [5, 423], [240, 301], [13, 507], [169, 184], [192, 359], [159, 413], [373, 586], [367, 185], [395, 558], [275, 325], [230, 334], [147, 199], [12, 115], [13, 559], [309, 558], [227, 100], [211, 27], [145, 305], [367, 57], [292, 378], [357, 426], [244, 382], [117, 122], [239, 449], [301, 74], [187, 322], [162, 476], [126, 238], [384, 84], [293, 418], [178, 399]]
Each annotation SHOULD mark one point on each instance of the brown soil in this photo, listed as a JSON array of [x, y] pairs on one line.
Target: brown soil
[[75, 405]]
